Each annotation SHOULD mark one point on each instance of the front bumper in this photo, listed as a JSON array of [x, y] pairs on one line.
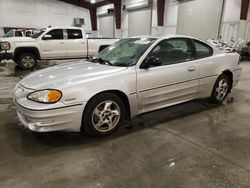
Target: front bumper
[[68, 118], [5, 56]]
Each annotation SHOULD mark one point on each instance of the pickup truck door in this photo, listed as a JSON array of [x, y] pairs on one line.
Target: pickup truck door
[[174, 81], [53, 45], [76, 43]]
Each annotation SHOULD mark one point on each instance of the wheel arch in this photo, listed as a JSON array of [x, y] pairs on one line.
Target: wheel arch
[[21, 50], [229, 73], [121, 95]]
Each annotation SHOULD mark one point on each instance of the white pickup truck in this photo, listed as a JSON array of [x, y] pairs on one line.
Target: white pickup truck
[[51, 43]]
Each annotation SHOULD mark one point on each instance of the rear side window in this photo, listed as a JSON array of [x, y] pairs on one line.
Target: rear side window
[[202, 49], [56, 34], [74, 34]]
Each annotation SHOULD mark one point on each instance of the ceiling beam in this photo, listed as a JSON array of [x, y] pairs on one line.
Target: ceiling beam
[[93, 10], [80, 3], [102, 3]]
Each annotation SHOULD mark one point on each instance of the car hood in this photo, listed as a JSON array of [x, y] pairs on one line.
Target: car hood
[[68, 74]]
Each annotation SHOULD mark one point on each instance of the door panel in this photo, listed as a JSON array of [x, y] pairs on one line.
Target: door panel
[[165, 85], [175, 81], [76, 43], [54, 46]]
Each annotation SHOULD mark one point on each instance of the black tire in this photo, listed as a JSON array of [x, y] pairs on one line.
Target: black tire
[[102, 48], [89, 117], [216, 96], [27, 61]]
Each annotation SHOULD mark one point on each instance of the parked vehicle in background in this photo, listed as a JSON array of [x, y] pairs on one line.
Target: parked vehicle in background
[[131, 77], [51, 43], [19, 33], [231, 46]]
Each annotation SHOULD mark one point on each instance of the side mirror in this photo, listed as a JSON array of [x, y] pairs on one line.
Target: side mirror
[[47, 37], [150, 62]]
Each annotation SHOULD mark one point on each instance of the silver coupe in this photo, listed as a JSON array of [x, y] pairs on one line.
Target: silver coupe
[[131, 77]]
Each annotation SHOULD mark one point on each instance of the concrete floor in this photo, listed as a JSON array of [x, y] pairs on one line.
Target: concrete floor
[[193, 145]]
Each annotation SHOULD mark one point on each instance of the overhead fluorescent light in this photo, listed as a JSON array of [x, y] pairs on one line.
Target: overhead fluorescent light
[[92, 1]]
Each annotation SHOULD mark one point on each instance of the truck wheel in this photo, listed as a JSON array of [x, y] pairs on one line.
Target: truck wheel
[[27, 61]]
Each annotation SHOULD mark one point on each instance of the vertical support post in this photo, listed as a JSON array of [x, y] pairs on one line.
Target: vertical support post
[[118, 6], [93, 18], [244, 9], [160, 12]]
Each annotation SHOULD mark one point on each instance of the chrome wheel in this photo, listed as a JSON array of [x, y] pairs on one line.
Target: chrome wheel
[[106, 116], [221, 90], [28, 61]]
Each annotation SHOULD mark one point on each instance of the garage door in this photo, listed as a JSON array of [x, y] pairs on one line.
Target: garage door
[[107, 26], [139, 22], [199, 18]]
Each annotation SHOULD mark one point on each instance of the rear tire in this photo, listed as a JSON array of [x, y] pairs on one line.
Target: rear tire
[[27, 61], [222, 88], [103, 115]]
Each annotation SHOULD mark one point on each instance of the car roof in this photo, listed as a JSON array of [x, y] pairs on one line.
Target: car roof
[[63, 27], [165, 36]]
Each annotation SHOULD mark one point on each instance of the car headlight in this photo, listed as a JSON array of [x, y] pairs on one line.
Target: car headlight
[[5, 45], [45, 96]]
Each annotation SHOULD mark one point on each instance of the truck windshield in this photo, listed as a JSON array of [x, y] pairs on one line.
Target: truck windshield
[[38, 33], [11, 33], [125, 52]]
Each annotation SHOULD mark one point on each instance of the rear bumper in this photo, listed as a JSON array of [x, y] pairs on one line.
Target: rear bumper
[[5, 56], [68, 118]]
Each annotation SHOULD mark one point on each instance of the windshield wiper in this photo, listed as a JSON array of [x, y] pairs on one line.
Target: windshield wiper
[[91, 59], [120, 65], [103, 61]]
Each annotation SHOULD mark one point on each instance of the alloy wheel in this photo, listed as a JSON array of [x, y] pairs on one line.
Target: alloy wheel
[[28, 61], [106, 116], [222, 89]]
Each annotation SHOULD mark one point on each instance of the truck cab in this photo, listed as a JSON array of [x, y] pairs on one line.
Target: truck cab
[[52, 43]]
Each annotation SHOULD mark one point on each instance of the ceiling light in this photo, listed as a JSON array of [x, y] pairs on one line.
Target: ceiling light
[[92, 1]]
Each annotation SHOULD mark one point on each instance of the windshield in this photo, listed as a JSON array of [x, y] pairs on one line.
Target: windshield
[[11, 33], [125, 52], [38, 33]]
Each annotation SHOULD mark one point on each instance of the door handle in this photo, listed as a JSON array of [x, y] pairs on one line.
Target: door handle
[[191, 69], [82, 42], [62, 43]]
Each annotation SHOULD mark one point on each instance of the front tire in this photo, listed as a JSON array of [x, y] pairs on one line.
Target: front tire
[[27, 61], [103, 115], [221, 89]]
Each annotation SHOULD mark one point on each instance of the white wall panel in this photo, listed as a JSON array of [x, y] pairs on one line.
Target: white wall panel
[[230, 30], [199, 18], [106, 26], [37, 13], [171, 12], [1, 21], [231, 11], [137, 24], [230, 20]]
